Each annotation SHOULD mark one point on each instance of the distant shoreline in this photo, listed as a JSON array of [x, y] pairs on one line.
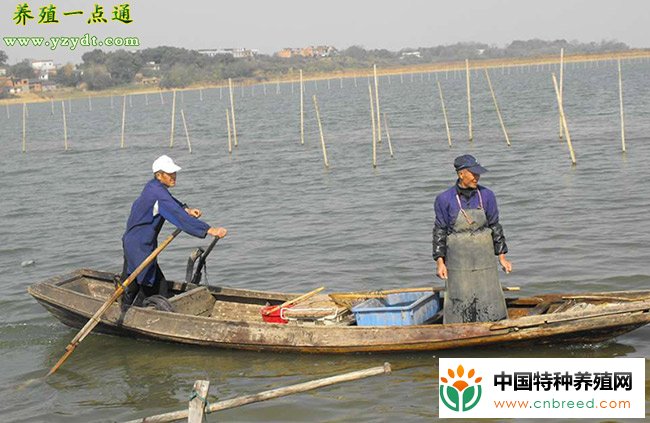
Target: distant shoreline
[[74, 93]]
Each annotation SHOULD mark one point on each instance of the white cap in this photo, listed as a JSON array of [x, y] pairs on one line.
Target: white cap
[[165, 164]]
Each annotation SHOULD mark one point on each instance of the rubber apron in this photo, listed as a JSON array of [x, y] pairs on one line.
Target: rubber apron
[[473, 292]]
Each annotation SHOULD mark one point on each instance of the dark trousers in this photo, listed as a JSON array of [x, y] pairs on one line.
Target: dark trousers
[[134, 294]]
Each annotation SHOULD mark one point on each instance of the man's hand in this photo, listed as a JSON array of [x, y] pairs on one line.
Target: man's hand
[[441, 268], [220, 232], [505, 264], [194, 212]]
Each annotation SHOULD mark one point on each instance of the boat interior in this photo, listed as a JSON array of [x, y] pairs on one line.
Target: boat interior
[[231, 304]]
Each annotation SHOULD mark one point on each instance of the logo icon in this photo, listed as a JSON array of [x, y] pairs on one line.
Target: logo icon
[[457, 393]]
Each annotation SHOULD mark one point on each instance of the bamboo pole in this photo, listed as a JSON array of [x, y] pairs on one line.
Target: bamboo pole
[[329, 85], [65, 128], [302, 110], [340, 83], [52, 106], [24, 127], [561, 87], [229, 131], [95, 319], [90, 104], [198, 401], [123, 121], [131, 100], [232, 112], [171, 135], [620, 98], [444, 113], [564, 123], [496, 106], [187, 134], [271, 394], [7, 107], [322, 137], [374, 128], [277, 87], [146, 99], [264, 88], [162, 100], [220, 93], [200, 95], [390, 146], [469, 101], [374, 71]]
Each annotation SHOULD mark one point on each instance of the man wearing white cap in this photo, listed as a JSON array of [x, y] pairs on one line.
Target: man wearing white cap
[[149, 211]]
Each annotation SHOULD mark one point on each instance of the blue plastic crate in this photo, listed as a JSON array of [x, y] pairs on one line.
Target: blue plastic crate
[[404, 309]]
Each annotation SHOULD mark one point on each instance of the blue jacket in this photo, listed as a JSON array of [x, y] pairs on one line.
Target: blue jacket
[[447, 210], [148, 213]]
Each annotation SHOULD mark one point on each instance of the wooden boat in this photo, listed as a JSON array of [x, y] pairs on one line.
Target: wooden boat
[[230, 318]]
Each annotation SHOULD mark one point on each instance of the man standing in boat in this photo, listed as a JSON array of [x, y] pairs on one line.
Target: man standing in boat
[[148, 213], [466, 237]]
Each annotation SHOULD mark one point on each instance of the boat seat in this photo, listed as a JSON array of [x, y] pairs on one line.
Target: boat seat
[[196, 302]]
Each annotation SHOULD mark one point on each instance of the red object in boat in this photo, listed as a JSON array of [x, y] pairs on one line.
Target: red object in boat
[[275, 317]]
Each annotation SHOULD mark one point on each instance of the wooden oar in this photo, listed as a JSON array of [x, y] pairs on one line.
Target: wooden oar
[[94, 321], [295, 300]]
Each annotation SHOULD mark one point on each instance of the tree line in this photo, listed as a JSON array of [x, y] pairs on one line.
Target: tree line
[[174, 67]]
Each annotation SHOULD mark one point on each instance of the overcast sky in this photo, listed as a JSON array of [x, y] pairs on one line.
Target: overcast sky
[[270, 25]]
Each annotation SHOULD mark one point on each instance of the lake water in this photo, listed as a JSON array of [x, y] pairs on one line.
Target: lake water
[[295, 226]]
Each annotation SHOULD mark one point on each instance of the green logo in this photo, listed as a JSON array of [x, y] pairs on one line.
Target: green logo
[[459, 395]]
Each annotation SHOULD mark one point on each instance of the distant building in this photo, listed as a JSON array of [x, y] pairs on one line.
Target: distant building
[[44, 69], [412, 54], [237, 53], [310, 51]]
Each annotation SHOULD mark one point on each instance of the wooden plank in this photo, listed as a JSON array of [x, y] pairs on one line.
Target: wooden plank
[[196, 302], [198, 401]]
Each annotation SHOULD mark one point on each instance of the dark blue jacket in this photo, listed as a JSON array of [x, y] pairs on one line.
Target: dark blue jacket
[[447, 210], [148, 213]]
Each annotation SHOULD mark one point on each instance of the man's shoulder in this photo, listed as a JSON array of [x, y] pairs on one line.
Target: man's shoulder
[[447, 194], [485, 190]]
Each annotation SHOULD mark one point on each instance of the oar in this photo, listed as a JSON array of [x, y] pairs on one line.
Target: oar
[[295, 300], [94, 321]]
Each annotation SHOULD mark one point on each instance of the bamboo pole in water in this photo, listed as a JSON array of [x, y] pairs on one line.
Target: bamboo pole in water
[[229, 132], [131, 100], [390, 146], [374, 128], [162, 100], [90, 104], [232, 112], [24, 127], [200, 95], [444, 113], [52, 106], [146, 99], [65, 128], [320, 129], [7, 107], [277, 86], [187, 133], [561, 87], [620, 97], [469, 101], [374, 71], [123, 121], [496, 106], [564, 123], [173, 124], [271, 394], [302, 111]]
